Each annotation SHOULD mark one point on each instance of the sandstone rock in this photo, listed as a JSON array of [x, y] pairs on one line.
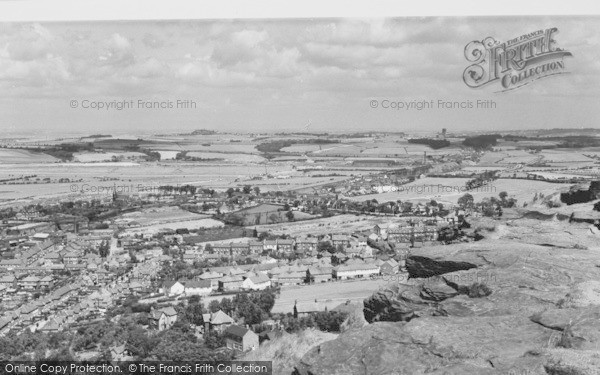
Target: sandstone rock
[[436, 289], [429, 346], [395, 304], [577, 328], [419, 266], [539, 274], [573, 362], [584, 294]]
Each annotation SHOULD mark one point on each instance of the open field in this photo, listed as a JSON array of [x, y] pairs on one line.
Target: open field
[[8, 156], [565, 156], [189, 224], [450, 189], [334, 224], [136, 177], [329, 294], [160, 215], [268, 214], [309, 147]]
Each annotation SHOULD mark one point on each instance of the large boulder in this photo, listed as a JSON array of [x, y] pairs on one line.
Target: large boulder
[[396, 303], [419, 266]]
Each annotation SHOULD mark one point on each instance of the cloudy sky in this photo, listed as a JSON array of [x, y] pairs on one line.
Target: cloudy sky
[[283, 75]]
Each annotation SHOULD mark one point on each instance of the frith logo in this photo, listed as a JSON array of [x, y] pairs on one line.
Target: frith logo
[[514, 63]]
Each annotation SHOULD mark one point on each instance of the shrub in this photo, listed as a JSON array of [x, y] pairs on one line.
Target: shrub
[[478, 290]]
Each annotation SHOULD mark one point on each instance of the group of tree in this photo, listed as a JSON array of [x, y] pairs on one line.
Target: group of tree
[[489, 206], [432, 143], [252, 307], [327, 321], [484, 141], [184, 189], [481, 180]]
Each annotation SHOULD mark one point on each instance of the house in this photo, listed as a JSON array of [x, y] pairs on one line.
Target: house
[[213, 277], [319, 274], [355, 270], [306, 244], [235, 271], [11, 264], [230, 283], [367, 252], [40, 236], [30, 282], [71, 257], [240, 339], [258, 282], [285, 246], [163, 318], [172, 288], [255, 247], [52, 258], [389, 267], [190, 257], [10, 281], [239, 249], [217, 321], [340, 240], [222, 250], [50, 326], [402, 233], [360, 240], [290, 277], [197, 287], [270, 245], [135, 287], [212, 258]]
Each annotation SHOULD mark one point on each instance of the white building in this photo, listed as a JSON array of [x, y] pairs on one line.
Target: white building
[[356, 270], [258, 282]]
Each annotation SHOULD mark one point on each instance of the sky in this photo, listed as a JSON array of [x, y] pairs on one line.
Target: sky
[[283, 75]]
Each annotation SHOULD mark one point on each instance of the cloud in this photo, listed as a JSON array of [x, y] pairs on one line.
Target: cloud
[[118, 51]]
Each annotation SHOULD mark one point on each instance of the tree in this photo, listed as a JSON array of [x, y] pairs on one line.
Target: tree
[[289, 215], [193, 312], [503, 195], [104, 249], [466, 201], [256, 190], [325, 246], [329, 321], [246, 189], [214, 306]]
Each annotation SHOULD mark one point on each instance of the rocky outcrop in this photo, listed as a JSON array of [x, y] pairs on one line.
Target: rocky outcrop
[[541, 317], [575, 328], [419, 266], [429, 346], [397, 303]]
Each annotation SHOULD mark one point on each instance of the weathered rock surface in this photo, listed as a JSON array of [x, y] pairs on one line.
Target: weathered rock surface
[[419, 266], [395, 304], [542, 316]]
